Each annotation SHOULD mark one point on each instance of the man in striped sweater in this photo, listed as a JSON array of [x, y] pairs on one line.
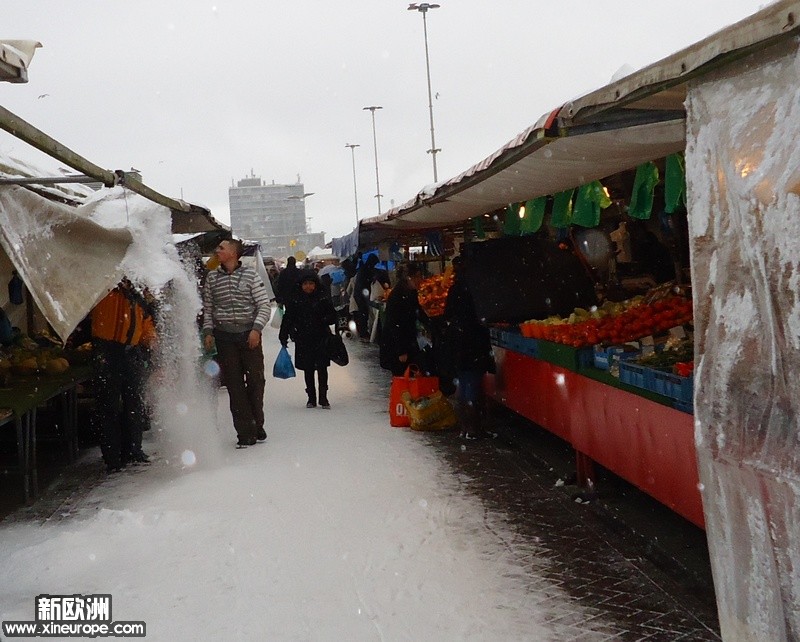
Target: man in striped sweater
[[235, 311]]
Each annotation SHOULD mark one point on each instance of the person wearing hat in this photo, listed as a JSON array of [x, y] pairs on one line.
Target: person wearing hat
[[307, 322]]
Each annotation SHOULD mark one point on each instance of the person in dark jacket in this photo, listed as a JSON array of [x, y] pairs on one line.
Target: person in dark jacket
[[307, 322], [470, 353], [361, 294], [123, 332], [399, 346], [286, 284]]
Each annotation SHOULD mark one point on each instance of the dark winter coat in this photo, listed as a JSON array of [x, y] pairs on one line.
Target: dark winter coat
[[399, 330], [286, 284], [306, 322], [467, 340]]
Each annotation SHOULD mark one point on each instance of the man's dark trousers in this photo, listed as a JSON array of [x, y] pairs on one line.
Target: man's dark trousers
[[119, 405], [243, 374]]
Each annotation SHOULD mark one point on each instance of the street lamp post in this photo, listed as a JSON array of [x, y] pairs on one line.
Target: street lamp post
[[423, 8], [355, 189], [375, 147]]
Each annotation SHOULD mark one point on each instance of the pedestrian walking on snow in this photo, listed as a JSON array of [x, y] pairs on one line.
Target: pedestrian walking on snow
[[306, 322], [235, 310]]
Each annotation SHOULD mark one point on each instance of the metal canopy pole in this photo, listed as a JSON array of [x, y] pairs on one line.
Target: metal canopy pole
[[41, 141]]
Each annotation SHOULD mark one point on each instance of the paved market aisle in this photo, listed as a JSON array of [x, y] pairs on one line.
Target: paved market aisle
[[337, 528]]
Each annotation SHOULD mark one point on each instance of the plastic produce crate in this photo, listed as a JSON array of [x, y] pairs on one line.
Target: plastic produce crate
[[685, 407], [673, 386], [565, 356], [633, 374], [603, 356]]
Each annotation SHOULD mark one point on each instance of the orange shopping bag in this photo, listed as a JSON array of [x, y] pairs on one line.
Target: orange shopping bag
[[417, 386]]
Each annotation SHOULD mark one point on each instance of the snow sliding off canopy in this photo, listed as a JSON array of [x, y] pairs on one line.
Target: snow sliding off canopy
[[67, 261], [71, 257]]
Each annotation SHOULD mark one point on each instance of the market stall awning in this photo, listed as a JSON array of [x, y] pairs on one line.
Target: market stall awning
[[538, 165], [15, 56], [636, 119], [662, 85]]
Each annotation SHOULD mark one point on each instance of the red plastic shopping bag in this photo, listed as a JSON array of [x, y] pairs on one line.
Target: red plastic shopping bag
[[417, 386]]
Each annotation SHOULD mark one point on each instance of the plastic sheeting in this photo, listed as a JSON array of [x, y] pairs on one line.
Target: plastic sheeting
[[67, 261], [743, 167]]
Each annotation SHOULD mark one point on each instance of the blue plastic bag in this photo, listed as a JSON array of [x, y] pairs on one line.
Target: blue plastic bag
[[283, 368]]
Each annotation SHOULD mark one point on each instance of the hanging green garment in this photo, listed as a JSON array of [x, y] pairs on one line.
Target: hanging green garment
[[590, 200], [562, 209], [477, 224], [674, 183], [511, 222], [534, 215], [643, 185]]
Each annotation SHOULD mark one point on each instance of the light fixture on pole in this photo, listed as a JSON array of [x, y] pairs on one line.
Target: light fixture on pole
[[355, 189], [375, 146], [423, 8]]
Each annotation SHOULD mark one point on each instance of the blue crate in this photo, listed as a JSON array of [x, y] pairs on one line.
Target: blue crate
[[673, 386], [635, 375], [527, 346], [603, 356], [684, 407], [584, 358]]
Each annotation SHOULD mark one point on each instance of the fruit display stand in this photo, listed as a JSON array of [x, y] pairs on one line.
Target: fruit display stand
[[635, 433], [25, 395]]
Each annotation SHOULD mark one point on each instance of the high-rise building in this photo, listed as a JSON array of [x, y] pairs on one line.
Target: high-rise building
[[274, 215]]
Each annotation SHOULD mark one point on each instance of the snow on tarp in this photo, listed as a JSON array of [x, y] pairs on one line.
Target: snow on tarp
[[71, 257], [742, 165], [67, 261], [320, 254]]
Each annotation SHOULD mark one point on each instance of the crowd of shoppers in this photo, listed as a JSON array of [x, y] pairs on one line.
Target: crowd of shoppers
[[236, 309]]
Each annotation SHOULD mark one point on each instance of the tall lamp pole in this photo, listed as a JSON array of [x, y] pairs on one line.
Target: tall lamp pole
[[423, 7], [375, 147], [355, 189]]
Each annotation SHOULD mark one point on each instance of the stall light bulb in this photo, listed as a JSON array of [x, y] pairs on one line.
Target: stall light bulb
[[522, 211], [605, 191]]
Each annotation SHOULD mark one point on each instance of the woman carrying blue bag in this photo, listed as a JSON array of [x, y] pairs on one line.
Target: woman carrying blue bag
[[307, 322]]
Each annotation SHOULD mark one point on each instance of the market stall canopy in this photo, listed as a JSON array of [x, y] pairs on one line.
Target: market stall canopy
[[663, 85], [344, 246], [321, 254], [68, 261], [15, 57], [186, 217], [638, 118], [539, 162]]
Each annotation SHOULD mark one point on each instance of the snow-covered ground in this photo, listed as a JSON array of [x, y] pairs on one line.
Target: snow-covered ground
[[337, 528]]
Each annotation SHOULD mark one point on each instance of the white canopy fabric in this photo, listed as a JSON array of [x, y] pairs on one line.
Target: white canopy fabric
[[580, 142], [551, 165], [320, 254], [67, 261], [15, 56]]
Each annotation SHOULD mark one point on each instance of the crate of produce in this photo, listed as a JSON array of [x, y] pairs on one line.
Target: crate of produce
[[526, 346], [499, 336], [633, 374], [684, 407], [604, 356], [565, 356], [673, 386]]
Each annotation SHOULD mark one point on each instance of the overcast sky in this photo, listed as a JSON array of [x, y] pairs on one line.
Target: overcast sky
[[197, 94]]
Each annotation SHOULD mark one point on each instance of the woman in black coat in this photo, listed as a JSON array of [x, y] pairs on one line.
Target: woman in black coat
[[399, 345], [307, 323]]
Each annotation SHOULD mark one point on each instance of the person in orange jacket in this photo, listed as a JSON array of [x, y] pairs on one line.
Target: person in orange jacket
[[123, 333]]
